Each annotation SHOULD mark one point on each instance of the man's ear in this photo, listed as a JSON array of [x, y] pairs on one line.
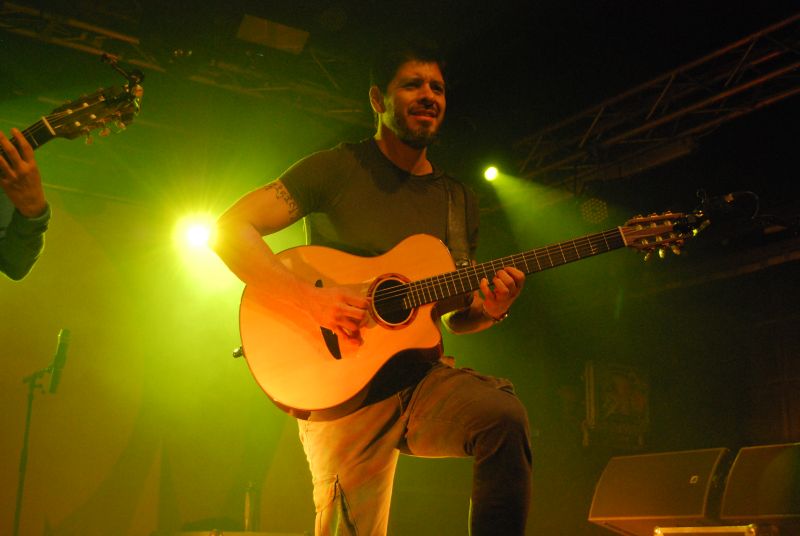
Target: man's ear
[[376, 100]]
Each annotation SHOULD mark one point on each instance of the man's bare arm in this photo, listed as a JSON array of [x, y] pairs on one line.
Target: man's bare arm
[[240, 245]]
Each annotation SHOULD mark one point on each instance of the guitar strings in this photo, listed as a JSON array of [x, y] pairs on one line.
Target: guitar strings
[[587, 244], [417, 293], [55, 117], [80, 109], [591, 245], [27, 133]]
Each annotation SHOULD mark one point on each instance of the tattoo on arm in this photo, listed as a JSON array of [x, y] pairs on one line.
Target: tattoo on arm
[[283, 194]]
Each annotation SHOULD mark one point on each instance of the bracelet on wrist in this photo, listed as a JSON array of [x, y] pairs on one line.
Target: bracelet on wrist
[[495, 320]]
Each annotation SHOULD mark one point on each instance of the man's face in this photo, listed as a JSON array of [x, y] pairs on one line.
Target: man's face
[[414, 103]]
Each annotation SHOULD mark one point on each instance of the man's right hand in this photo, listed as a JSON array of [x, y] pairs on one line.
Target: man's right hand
[[339, 309]]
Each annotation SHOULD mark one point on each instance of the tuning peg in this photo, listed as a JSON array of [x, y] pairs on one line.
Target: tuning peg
[[648, 255], [676, 249], [696, 231], [121, 125], [662, 252], [105, 131], [89, 139]]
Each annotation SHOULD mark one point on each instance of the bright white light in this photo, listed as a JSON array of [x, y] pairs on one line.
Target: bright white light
[[198, 234], [491, 173], [194, 232], [192, 238]]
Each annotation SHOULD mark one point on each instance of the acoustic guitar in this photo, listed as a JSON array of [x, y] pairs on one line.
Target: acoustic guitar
[[303, 367]]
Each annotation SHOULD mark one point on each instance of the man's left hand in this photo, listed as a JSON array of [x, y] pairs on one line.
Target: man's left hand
[[506, 286]]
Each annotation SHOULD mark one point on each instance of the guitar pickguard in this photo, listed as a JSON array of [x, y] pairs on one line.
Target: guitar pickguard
[[330, 338]]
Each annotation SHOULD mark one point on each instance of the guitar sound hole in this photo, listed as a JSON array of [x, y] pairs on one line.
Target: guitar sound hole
[[388, 301]]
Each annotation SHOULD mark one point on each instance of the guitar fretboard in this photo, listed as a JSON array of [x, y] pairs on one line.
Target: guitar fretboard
[[468, 279], [37, 134]]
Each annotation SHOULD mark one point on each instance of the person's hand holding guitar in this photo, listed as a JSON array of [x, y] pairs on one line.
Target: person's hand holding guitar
[[19, 176], [341, 310]]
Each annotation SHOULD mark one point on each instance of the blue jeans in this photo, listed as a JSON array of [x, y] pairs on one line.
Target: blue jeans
[[450, 413]]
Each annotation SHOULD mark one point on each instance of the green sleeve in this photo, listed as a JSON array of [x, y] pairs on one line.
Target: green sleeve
[[21, 242]]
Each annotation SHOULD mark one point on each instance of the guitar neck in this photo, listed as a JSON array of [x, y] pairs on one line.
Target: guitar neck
[[37, 135], [468, 279]]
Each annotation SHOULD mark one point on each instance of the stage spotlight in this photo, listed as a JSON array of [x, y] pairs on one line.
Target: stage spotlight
[[192, 237], [198, 235], [594, 210], [194, 232], [491, 173]]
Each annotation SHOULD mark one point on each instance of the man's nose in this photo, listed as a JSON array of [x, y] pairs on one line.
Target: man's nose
[[426, 93]]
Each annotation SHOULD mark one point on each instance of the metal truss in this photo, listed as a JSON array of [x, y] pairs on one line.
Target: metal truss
[[235, 73], [75, 34], [661, 119], [259, 83]]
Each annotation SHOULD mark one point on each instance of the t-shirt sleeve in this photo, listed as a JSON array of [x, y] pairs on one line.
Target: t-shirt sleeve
[[21, 242], [313, 180]]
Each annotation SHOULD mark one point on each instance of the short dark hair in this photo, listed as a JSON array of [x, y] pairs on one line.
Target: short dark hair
[[397, 51]]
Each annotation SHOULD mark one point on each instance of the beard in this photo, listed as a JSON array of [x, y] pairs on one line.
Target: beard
[[416, 138]]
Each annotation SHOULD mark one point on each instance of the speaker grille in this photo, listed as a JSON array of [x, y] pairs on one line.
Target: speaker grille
[[763, 485], [637, 493]]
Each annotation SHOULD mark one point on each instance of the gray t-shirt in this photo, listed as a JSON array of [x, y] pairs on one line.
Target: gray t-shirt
[[356, 200]]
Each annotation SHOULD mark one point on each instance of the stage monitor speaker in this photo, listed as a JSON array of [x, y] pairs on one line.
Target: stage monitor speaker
[[764, 486], [637, 493], [739, 530], [226, 533]]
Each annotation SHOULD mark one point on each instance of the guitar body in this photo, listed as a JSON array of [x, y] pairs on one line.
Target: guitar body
[[303, 367], [287, 351]]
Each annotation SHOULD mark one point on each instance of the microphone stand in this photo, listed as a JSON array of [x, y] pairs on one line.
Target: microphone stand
[[33, 383]]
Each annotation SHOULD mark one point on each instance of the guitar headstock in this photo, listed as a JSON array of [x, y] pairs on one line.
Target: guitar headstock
[[661, 232], [99, 110]]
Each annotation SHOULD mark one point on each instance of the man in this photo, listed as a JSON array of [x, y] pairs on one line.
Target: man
[[364, 198], [24, 212]]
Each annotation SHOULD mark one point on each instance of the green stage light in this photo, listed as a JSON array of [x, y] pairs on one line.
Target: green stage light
[[491, 173]]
